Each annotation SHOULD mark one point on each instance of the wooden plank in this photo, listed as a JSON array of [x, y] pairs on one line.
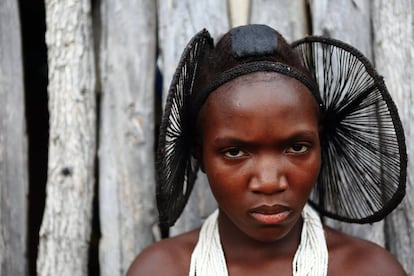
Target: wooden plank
[[332, 19], [239, 12], [394, 57], [178, 21], [126, 154], [286, 16], [13, 146], [347, 20], [66, 226]]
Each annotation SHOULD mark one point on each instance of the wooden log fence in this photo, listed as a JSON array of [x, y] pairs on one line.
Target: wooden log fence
[[103, 117], [127, 51], [13, 146], [394, 56], [66, 227]]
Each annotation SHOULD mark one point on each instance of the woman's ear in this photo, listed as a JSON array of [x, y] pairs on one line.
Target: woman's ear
[[197, 153]]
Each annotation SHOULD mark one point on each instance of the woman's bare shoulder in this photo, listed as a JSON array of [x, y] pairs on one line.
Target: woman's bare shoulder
[[166, 257], [353, 256]]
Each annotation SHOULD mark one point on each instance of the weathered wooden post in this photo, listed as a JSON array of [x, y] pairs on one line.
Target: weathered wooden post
[[239, 11], [287, 16], [394, 57], [332, 18], [126, 154], [179, 20], [66, 226], [13, 146]]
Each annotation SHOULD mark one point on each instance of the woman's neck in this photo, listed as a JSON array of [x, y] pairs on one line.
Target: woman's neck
[[239, 247]]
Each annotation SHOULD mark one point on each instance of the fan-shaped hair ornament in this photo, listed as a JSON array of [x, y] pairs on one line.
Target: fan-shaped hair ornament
[[364, 157], [176, 168]]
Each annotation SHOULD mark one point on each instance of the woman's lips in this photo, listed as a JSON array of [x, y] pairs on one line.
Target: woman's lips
[[267, 214]]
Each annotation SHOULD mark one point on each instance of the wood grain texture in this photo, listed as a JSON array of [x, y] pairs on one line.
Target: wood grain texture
[[13, 146], [394, 57], [126, 152], [347, 20], [289, 17], [178, 21], [66, 226]]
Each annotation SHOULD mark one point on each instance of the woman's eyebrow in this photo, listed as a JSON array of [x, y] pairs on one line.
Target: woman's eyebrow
[[304, 134], [228, 139]]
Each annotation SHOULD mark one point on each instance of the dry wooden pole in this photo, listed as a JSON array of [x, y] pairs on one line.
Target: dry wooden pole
[[13, 147], [239, 12], [179, 20], [347, 20], [394, 57], [332, 18], [126, 154], [287, 16], [66, 225]]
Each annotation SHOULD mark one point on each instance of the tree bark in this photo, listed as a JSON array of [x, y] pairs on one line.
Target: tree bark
[[126, 154], [394, 57], [179, 20], [289, 17], [332, 19], [66, 225], [13, 146]]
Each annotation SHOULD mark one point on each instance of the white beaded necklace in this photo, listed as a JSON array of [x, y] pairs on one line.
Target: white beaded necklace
[[311, 257]]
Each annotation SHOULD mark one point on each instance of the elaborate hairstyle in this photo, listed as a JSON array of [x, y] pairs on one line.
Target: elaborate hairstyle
[[244, 50], [364, 159]]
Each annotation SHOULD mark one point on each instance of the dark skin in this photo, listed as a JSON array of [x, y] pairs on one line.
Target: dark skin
[[259, 146]]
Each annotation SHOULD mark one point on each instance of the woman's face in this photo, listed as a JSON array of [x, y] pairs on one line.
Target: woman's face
[[259, 146]]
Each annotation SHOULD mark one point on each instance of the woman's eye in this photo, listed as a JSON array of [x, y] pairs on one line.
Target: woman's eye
[[298, 148], [234, 153]]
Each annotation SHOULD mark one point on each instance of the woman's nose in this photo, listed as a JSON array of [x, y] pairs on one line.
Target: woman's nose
[[269, 177]]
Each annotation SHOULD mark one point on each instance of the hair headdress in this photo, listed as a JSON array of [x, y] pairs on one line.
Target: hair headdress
[[364, 158]]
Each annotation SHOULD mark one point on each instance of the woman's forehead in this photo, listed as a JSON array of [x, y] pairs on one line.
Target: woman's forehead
[[266, 78], [262, 110], [263, 92], [250, 86]]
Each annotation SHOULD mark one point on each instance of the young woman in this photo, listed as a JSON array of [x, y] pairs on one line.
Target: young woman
[[276, 128]]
